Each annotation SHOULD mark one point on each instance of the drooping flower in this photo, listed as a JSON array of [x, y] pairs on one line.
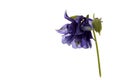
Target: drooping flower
[[78, 32]]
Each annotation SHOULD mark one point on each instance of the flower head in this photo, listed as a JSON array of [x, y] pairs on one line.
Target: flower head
[[78, 32]]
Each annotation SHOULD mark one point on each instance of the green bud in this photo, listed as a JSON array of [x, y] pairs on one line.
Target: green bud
[[97, 25]]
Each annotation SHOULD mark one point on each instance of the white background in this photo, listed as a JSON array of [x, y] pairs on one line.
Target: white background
[[31, 49]]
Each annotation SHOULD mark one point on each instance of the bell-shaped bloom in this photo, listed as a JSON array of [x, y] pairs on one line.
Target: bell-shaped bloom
[[78, 32]]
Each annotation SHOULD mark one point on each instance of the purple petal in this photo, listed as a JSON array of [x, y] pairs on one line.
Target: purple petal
[[63, 30], [84, 43], [68, 18], [90, 19], [89, 43], [78, 19], [88, 35], [68, 38], [90, 23], [86, 28], [74, 45], [78, 31]]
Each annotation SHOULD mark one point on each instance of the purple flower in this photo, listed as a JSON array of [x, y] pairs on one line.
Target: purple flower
[[78, 32]]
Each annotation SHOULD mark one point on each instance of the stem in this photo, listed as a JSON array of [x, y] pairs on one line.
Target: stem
[[97, 50]]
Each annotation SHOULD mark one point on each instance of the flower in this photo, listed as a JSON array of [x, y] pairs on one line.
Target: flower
[[78, 32]]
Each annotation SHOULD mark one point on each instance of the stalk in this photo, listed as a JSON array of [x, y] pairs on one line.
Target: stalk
[[97, 51]]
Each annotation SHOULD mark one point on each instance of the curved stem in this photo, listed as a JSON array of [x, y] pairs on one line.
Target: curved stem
[[97, 50]]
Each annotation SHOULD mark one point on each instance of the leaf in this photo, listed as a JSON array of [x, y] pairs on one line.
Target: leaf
[[97, 25]]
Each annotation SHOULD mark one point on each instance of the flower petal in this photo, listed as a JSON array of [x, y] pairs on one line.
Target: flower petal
[[88, 35], [86, 28], [90, 22], [89, 43], [67, 39], [63, 30], [74, 45], [78, 19], [78, 31], [84, 43], [67, 17]]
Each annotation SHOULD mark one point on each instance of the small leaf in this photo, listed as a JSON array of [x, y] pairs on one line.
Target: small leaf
[[97, 24]]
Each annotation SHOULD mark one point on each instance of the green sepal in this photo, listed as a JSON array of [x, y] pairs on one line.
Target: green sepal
[[87, 16], [73, 17], [97, 25]]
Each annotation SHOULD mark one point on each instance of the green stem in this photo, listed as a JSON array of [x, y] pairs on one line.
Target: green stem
[[97, 50]]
